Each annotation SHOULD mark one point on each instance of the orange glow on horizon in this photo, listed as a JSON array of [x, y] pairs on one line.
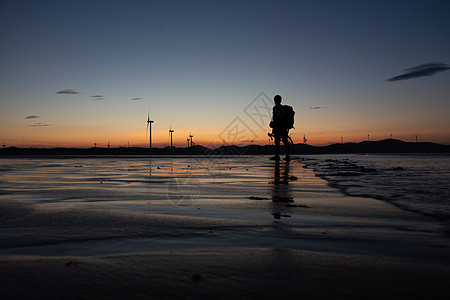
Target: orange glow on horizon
[[317, 134], [206, 139]]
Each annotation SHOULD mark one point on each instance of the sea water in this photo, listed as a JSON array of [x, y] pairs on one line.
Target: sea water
[[415, 182], [165, 182]]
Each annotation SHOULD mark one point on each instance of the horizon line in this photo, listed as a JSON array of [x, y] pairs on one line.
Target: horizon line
[[226, 145]]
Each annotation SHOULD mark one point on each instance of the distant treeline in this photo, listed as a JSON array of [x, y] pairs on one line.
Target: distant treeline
[[383, 146]]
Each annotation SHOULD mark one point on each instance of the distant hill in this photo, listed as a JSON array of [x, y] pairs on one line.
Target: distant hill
[[383, 146], [387, 146]]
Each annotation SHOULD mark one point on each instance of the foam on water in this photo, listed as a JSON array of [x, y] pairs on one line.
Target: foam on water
[[418, 182]]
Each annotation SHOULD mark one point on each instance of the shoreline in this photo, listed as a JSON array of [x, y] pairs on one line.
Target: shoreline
[[347, 172], [381, 146]]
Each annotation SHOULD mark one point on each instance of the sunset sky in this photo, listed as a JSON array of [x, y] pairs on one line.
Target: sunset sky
[[77, 72]]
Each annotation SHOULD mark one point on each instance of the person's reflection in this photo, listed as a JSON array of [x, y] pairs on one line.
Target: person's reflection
[[281, 193]]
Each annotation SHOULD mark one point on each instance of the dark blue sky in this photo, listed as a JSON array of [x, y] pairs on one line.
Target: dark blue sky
[[198, 64]]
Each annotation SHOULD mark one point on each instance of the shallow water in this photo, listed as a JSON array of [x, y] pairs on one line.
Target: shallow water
[[92, 206], [415, 182], [418, 183], [124, 179], [167, 183]]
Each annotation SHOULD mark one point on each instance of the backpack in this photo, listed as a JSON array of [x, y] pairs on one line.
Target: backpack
[[288, 117]]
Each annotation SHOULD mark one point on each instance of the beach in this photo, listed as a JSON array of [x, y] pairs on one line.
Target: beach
[[206, 227]]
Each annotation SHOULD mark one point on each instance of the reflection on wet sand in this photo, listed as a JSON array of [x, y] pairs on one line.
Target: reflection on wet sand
[[281, 193]]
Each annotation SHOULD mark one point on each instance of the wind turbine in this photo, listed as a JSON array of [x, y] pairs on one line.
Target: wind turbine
[[149, 127], [191, 136], [171, 131]]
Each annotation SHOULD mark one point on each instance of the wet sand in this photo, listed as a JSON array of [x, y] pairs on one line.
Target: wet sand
[[223, 274], [214, 235]]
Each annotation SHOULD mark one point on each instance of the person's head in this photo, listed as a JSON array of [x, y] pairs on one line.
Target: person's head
[[277, 99]]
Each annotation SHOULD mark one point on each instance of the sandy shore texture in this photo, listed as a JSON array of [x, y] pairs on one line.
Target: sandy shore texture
[[320, 245], [223, 274]]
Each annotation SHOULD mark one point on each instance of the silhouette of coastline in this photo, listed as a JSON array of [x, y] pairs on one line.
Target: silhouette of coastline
[[383, 146]]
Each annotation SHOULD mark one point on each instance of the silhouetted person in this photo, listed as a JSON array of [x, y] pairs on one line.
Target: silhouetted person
[[282, 121]]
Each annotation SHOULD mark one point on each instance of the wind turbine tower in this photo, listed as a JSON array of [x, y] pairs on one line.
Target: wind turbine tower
[[171, 131], [190, 137], [149, 127]]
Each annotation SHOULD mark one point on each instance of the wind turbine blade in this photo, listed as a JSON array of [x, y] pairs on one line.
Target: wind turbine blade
[[146, 131]]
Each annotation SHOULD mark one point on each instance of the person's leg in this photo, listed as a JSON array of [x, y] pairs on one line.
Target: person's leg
[[287, 146], [277, 148]]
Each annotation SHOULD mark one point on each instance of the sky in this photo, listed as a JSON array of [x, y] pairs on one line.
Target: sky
[[75, 73]]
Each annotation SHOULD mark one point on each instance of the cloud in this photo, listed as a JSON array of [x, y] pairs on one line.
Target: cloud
[[318, 107], [421, 71], [98, 97], [138, 98], [39, 125], [68, 92], [31, 117]]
